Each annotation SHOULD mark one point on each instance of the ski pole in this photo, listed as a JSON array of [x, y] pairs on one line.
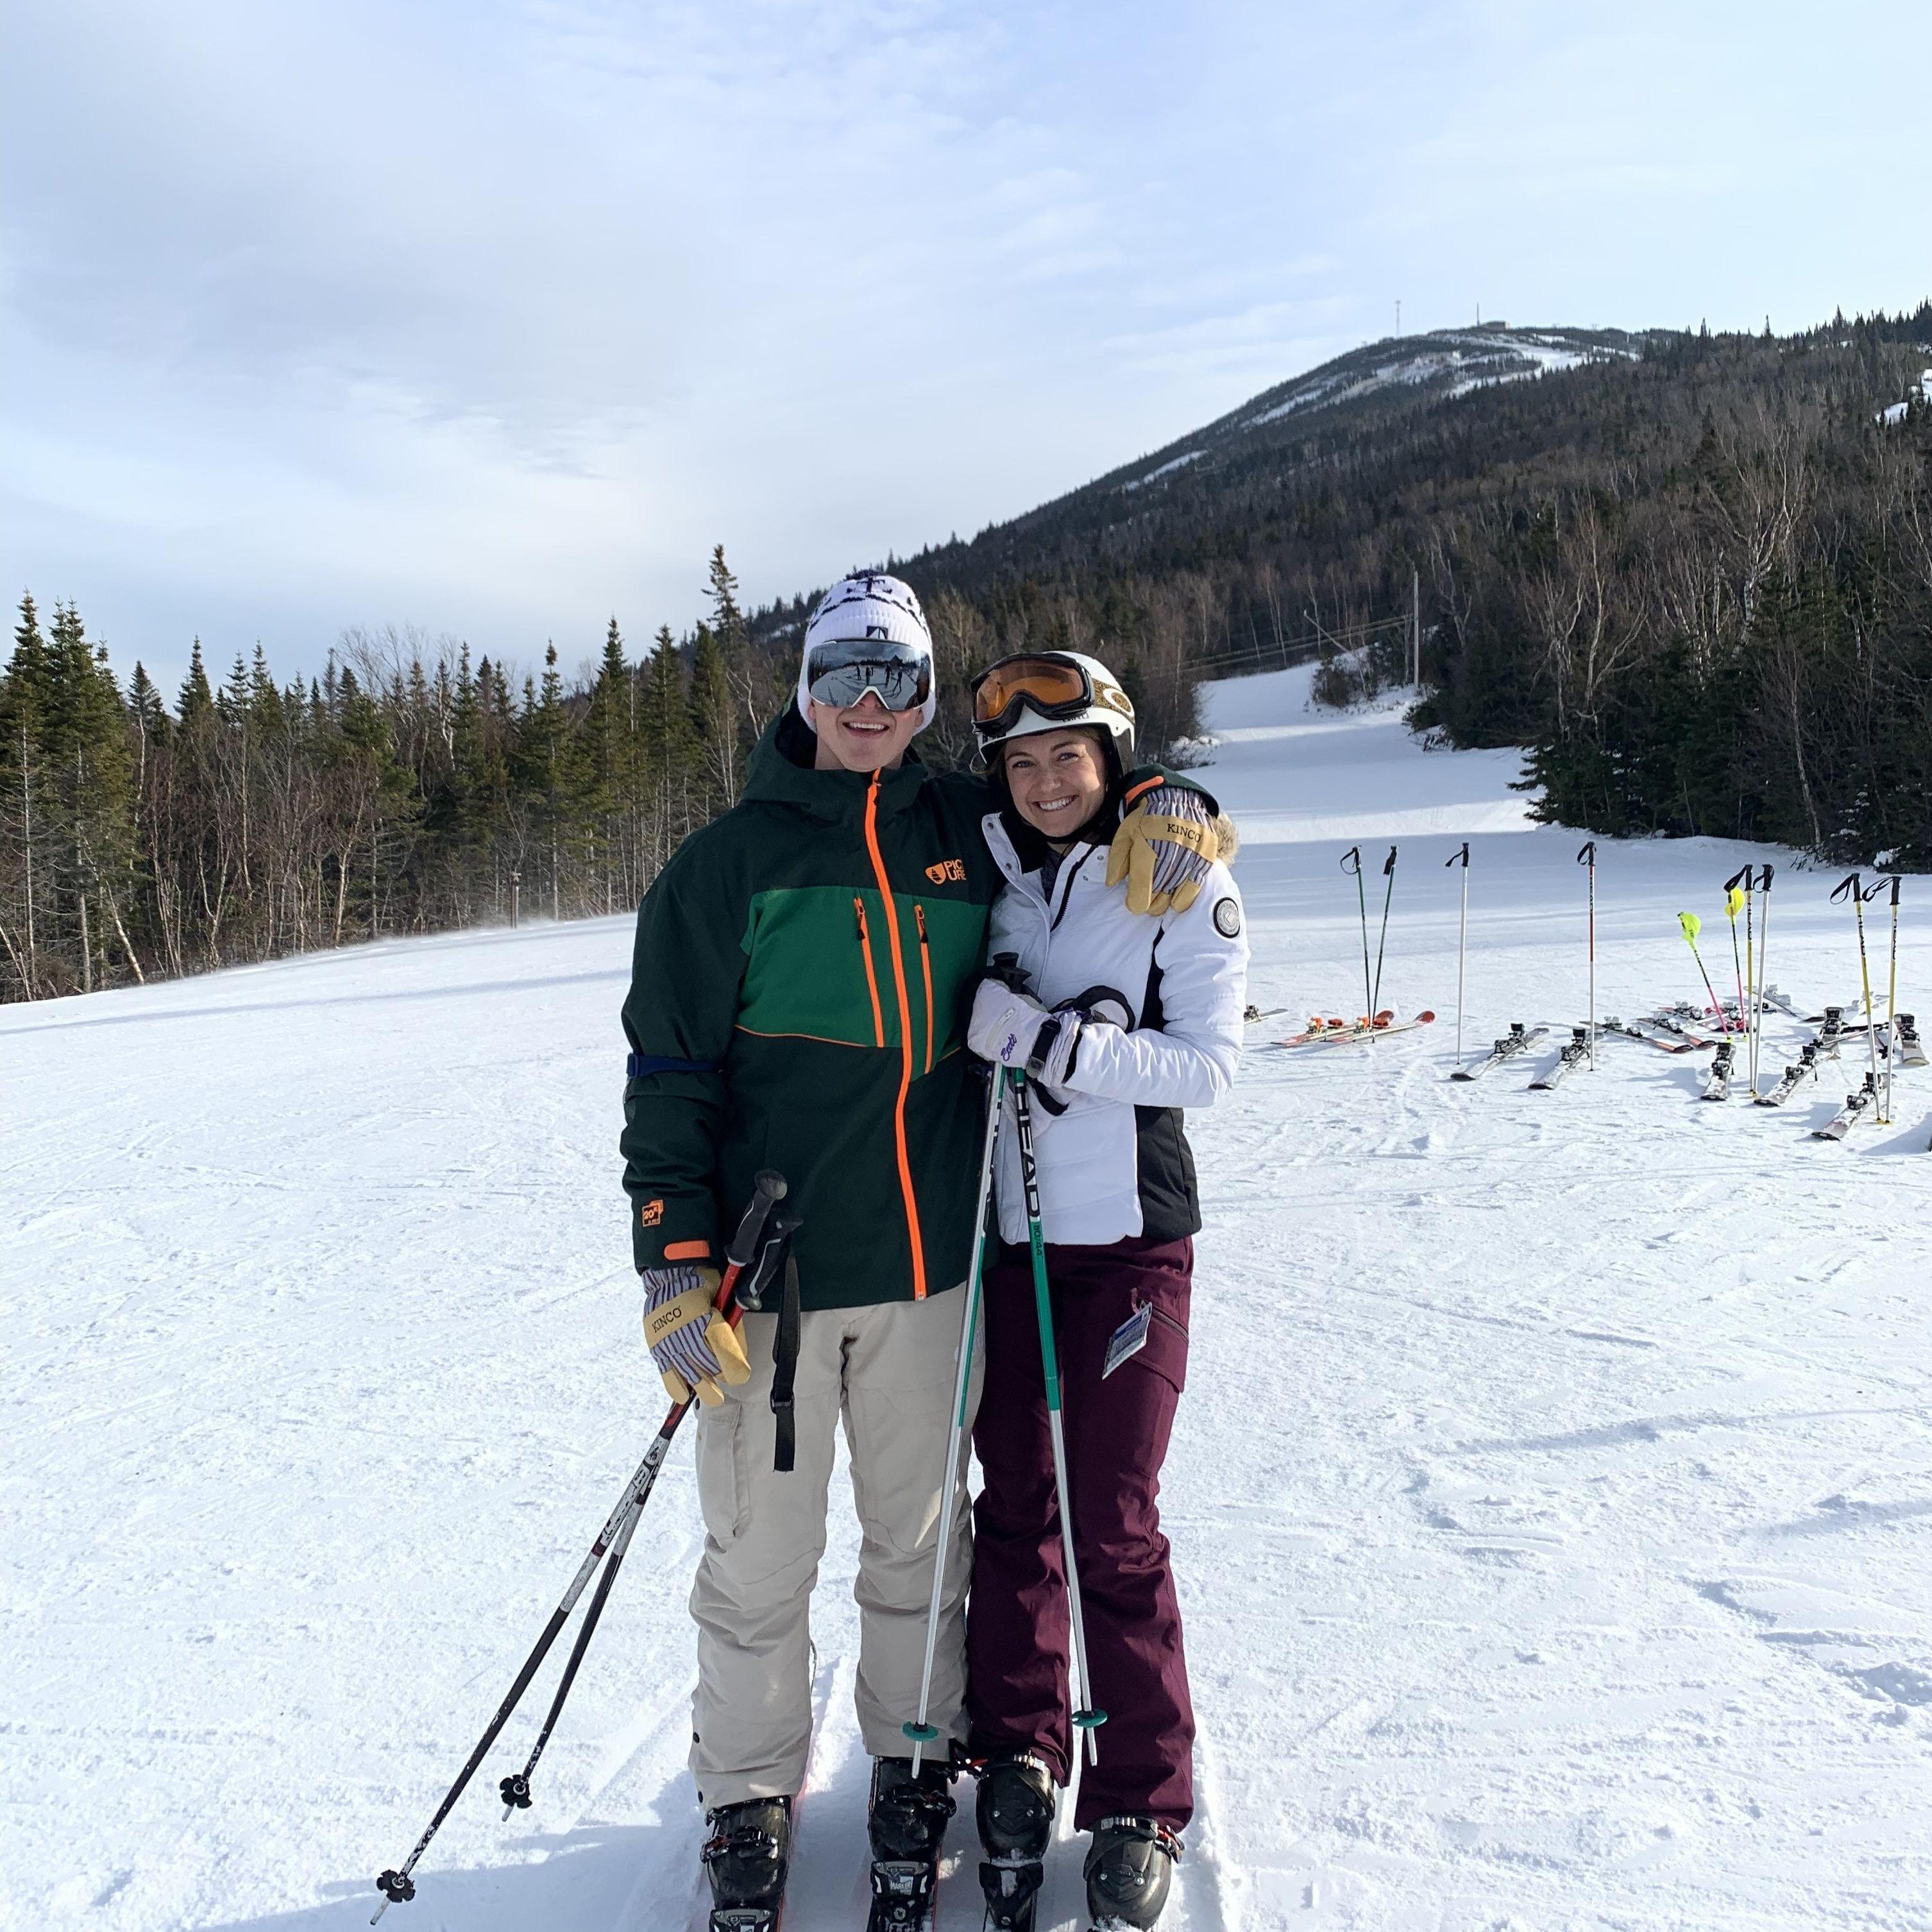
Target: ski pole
[[1891, 1001], [1461, 941], [1085, 1716], [1853, 887], [1692, 925], [516, 1788], [1763, 972], [1734, 904], [1352, 862], [1588, 856], [397, 1886], [1754, 977], [921, 1732], [1381, 939]]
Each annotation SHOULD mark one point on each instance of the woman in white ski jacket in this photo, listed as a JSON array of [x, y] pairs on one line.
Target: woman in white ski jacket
[[1135, 985]]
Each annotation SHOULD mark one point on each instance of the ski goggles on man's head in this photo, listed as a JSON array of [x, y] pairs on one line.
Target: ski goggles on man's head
[[839, 673], [1054, 686]]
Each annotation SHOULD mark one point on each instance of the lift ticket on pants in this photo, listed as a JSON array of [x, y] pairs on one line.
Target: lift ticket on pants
[[1129, 1339]]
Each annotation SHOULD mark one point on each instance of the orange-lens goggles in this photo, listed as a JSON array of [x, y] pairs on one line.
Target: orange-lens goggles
[[1047, 686]]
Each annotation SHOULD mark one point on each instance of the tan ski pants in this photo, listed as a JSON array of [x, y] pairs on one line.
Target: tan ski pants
[[889, 1372]]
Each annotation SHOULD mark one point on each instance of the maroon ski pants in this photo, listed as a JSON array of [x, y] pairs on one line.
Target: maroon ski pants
[[1018, 1626]]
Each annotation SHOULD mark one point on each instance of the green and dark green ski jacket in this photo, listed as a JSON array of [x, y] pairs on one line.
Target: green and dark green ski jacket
[[795, 1003]]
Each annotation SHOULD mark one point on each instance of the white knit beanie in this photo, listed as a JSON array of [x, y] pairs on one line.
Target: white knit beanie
[[869, 605]]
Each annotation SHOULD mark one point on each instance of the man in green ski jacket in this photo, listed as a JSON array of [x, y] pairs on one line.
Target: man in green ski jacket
[[796, 1004]]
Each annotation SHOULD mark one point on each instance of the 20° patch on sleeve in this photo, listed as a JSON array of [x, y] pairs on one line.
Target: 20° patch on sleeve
[[1228, 919]]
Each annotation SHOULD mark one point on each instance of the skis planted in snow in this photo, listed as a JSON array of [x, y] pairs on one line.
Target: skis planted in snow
[[1717, 1082], [1380, 1027], [1328, 1029], [1567, 1062], [1856, 1107], [1519, 1039], [1911, 1048], [1831, 1031], [1345, 1033], [1806, 1064], [1613, 1024], [1671, 1018]]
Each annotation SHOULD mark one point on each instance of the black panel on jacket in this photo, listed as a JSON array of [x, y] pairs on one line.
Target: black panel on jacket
[[1170, 1198], [1170, 1201]]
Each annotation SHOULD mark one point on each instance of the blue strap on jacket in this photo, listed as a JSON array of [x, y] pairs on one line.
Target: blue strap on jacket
[[637, 1065]]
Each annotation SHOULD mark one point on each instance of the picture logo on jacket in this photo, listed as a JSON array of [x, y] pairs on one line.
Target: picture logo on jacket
[[947, 872]]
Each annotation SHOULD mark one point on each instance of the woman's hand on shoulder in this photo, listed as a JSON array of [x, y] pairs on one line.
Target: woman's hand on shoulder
[[1166, 845]]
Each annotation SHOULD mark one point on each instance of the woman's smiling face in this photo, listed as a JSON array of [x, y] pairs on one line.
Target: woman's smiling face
[[1057, 778]]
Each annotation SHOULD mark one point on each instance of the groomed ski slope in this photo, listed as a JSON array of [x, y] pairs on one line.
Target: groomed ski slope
[[1551, 1499]]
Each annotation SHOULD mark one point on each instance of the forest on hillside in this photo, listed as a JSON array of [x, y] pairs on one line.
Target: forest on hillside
[[404, 790], [1695, 580], [1693, 576]]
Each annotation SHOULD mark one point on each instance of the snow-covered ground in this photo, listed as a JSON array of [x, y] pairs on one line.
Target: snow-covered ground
[[1552, 1498]]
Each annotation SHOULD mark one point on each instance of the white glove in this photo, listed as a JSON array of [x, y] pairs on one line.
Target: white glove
[[1013, 1029]]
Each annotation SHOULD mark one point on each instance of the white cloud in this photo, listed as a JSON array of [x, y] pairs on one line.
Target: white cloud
[[495, 318]]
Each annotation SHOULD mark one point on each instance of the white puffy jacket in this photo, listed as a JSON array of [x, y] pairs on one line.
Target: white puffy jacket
[[1116, 1162]]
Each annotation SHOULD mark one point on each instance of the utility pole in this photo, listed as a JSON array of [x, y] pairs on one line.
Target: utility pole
[[1398, 315]]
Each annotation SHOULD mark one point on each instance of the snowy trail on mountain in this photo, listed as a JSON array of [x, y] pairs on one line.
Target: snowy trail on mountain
[[1552, 1498]]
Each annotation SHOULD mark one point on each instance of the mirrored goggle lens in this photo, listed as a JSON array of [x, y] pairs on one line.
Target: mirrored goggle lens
[[841, 674], [1046, 686]]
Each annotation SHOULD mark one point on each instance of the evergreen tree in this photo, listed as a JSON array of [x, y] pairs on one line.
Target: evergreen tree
[[195, 704], [549, 772], [671, 746], [25, 830], [612, 741], [714, 716]]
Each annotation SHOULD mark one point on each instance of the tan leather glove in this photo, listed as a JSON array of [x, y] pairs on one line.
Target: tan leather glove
[[694, 1346], [1163, 850]]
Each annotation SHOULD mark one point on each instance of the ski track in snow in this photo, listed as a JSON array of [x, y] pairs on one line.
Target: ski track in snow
[[1551, 1499]]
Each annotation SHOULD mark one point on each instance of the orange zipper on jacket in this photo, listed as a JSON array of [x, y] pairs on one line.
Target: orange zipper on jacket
[[872, 979], [905, 1040], [926, 966]]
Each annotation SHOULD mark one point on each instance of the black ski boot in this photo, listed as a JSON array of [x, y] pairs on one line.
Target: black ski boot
[[745, 1859], [1128, 1872], [907, 1826], [1015, 1816]]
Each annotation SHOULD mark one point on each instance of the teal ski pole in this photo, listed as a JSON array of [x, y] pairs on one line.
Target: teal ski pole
[[1085, 1716]]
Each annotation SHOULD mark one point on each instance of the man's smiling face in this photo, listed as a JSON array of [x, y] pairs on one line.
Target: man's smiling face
[[862, 737]]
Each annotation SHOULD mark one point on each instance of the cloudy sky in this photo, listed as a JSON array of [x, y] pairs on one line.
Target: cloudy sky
[[492, 316]]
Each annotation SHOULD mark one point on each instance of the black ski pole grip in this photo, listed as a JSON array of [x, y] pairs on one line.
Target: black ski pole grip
[[1005, 969], [769, 1189], [1588, 856], [1388, 864], [1853, 885], [1461, 858], [1351, 859]]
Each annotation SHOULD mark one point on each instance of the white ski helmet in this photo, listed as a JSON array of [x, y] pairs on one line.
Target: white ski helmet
[[869, 628], [1050, 690]]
